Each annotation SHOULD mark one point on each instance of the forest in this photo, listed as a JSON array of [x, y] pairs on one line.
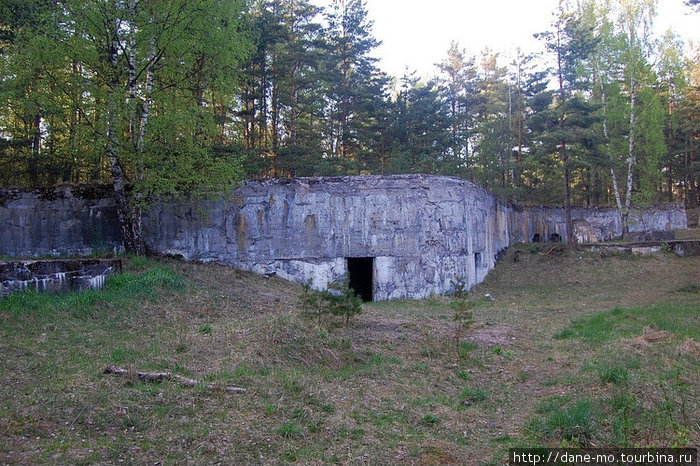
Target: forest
[[177, 96]]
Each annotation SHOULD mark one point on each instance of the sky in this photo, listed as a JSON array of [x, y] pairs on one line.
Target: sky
[[417, 33]]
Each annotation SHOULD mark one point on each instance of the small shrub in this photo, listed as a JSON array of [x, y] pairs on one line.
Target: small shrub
[[459, 287], [338, 299], [463, 317], [614, 375], [624, 418], [206, 329], [430, 419]]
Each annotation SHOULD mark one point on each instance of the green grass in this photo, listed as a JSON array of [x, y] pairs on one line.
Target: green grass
[[613, 375], [472, 395], [570, 423], [289, 429], [466, 347], [390, 387], [120, 292], [624, 323]]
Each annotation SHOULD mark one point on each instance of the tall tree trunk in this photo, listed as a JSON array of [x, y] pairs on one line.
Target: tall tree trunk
[[693, 187], [129, 215], [275, 117], [631, 158], [145, 110], [606, 133], [36, 150], [567, 202], [563, 155], [294, 105], [198, 93]]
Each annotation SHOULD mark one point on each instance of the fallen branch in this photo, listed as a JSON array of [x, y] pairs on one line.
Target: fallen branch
[[157, 377], [549, 251]]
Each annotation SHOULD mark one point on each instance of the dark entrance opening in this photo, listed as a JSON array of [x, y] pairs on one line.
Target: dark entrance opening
[[361, 275]]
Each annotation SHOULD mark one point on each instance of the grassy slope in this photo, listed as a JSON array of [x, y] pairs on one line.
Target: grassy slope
[[571, 350]]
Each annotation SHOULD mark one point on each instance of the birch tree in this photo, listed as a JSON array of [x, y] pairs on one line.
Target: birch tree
[[138, 57], [635, 21]]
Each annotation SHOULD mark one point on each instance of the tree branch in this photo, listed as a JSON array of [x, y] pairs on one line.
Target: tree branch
[[157, 377]]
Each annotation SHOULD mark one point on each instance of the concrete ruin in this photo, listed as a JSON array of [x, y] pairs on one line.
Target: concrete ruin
[[401, 236], [56, 275]]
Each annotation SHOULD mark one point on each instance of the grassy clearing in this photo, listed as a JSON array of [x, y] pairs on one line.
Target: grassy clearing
[[571, 350]]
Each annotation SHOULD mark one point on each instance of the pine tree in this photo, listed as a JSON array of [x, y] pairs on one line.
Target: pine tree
[[567, 125], [420, 128], [458, 84], [354, 83]]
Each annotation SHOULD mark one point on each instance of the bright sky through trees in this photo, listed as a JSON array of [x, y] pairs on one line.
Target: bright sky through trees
[[417, 33]]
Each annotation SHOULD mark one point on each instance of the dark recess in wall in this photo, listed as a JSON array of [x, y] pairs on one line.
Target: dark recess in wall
[[361, 275]]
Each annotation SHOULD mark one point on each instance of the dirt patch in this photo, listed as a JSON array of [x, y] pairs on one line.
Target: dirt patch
[[648, 337], [689, 347], [651, 335], [492, 335], [376, 331]]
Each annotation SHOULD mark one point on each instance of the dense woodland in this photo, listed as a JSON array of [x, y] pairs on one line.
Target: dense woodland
[[172, 96]]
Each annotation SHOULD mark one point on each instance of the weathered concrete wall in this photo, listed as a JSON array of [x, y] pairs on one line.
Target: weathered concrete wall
[[596, 224], [422, 232], [56, 275], [65, 221]]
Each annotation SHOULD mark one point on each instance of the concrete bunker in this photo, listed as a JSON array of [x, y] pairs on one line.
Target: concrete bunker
[[416, 233], [361, 276]]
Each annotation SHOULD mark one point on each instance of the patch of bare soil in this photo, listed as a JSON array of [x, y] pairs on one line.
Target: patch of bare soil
[[689, 347], [648, 337], [492, 335]]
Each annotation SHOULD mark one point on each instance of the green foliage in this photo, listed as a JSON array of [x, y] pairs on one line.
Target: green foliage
[[233, 89], [462, 306], [338, 299], [571, 423], [149, 97]]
